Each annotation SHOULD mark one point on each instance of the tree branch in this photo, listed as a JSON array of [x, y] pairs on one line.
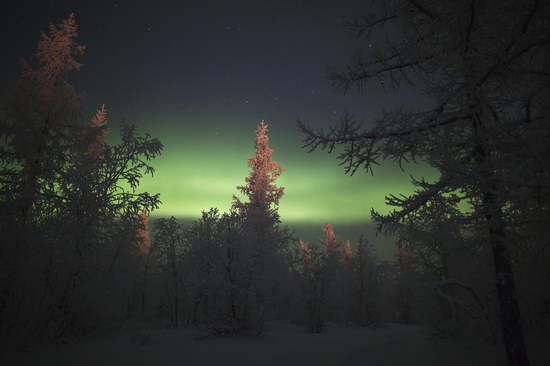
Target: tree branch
[[422, 9]]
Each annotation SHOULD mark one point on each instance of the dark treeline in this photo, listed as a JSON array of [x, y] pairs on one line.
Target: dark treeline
[[228, 273]]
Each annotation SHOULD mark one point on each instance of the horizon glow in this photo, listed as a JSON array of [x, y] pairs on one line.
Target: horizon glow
[[201, 170]]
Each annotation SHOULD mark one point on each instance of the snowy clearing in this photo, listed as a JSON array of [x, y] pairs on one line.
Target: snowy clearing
[[283, 344]]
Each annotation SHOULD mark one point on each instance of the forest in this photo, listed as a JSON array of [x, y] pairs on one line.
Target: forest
[[83, 254]]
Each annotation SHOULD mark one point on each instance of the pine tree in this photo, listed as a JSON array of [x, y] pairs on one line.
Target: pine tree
[[260, 188], [98, 125], [258, 255], [331, 241], [41, 114]]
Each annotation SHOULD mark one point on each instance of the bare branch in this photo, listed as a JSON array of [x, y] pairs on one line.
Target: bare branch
[[366, 24], [422, 9], [409, 205]]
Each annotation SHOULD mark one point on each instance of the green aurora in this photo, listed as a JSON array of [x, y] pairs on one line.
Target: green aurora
[[200, 168], [205, 158], [200, 77]]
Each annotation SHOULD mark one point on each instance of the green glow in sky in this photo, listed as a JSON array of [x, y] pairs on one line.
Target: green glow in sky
[[200, 169]]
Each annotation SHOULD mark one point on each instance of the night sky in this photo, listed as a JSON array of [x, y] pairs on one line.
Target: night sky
[[200, 75]]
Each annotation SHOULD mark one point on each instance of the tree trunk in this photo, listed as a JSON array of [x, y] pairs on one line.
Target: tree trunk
[[516, 351], [175, 278], [174, 264], [514, 342], [144, 287]]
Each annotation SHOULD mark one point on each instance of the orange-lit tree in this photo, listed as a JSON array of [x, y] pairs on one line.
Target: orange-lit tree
[[41, 111], [253, 261], [260, 188], [331, 241], [305, 248], [144, 237], [69, 201]]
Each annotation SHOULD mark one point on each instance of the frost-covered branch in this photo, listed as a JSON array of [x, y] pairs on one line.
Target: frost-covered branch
[[408, 205], [392, 136], [439, 285]]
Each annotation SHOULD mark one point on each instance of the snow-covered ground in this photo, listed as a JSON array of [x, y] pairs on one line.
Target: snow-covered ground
[[283, 344]]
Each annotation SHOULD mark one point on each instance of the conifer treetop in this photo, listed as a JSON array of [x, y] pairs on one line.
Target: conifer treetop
[[56, 54], [98, 124], [331, 241], [260, 187]]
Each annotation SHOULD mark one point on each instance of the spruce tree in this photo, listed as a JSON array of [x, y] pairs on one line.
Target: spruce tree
[[260, 188]]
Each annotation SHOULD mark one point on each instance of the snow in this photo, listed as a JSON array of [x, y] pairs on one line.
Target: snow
[[283, 344]]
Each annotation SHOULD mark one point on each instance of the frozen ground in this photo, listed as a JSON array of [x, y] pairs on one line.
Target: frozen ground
[[283, 344]]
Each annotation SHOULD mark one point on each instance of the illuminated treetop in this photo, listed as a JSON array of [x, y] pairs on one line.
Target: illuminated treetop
[[56, 59], [331, 241], [98, 123], [260, 187]]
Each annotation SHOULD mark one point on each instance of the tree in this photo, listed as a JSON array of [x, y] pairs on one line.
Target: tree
[[235, 258], [144, 243], [167, 249], [260, 188], [41, 112], [334, 280], [331, 241], [433, 236], [69, 201], [362, 265], [309, 268], [203, 262], [484, 66], [263, 240]]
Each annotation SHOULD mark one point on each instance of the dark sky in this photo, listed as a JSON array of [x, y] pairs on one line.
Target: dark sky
[[200, 75]]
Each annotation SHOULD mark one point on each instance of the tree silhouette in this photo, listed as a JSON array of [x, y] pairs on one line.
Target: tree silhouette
[[41, 113], [483, 64], [144, 235], [167, 248], [69, 201]]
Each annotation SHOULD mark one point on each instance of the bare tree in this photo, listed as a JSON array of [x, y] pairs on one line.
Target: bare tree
[[363, 265], [167, 249], [309, 269]]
